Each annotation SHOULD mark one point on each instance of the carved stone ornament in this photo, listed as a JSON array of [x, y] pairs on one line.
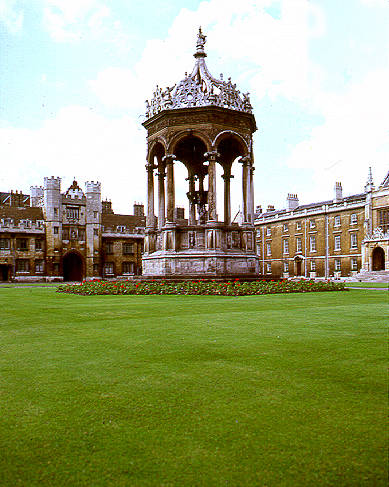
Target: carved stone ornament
[[378, 234], [199, 89]]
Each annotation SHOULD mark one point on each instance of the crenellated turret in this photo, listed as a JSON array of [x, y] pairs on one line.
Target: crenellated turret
[[93, 224]]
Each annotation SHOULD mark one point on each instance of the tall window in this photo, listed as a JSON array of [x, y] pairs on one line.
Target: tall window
[[109, 247], [108, 268], [298, 244], [337, 265], [286, 228], [286, 266], [383, 219], [268, 249], [121, 228], [353, 241], [286, 246], [312, 243], [354, 264], [128, 248], [39, 266], [353, 219], [298, 226], [56, 230], [337, 221], [337, 243], [312, 224], [22, 265], [313, 265], [268, 268], [72, 212], [268, 231], [128, 268], [38, 244], [22, 244], [4, 243]]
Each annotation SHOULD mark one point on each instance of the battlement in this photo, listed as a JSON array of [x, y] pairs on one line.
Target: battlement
[[36, 191], [92, 187], [52, 183]]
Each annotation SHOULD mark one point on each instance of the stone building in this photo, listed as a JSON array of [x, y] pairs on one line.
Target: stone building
[[69, 236], [204, 125], [333, 238]]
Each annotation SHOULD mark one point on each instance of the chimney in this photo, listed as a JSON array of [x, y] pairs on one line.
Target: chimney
[[258, 209], [179, 213], [139, 209], [106, 207], [292, 202], [270, 208], [338, 192]]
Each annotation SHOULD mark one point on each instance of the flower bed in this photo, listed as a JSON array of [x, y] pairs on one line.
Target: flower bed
[[200, 287]]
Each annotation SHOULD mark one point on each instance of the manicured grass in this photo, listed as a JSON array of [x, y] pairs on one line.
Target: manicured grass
[[274, 390], [382, 285]]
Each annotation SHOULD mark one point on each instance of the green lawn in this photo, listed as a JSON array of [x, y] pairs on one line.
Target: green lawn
[[275, 390], [382, 285]]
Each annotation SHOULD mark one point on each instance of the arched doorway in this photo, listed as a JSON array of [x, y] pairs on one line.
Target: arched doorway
[[378, 259], [72, 267]]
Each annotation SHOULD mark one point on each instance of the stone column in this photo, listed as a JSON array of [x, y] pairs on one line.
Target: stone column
[[245, 186], [169, 161], [212, 209], [192, 200], [227, 195], [251, 193], [161, 197], [150, 196]]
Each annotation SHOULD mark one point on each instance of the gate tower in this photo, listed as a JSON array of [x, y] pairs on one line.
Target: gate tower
[[200, 122]]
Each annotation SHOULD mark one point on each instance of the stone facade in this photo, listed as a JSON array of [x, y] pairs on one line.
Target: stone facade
[[65, 236], [334, 238]]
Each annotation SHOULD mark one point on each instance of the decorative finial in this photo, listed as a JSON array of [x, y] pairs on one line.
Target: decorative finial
[[369, 186], [201, 40]]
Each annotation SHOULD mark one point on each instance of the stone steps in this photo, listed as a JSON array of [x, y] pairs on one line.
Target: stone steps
[[372, 276]]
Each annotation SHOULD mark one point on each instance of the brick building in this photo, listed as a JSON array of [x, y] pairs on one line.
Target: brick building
[[334, 238], [67, 236]]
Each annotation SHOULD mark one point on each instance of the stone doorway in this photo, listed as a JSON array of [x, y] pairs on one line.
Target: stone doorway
[[298, 266], [4, 272], [72, 267], [378, 259]]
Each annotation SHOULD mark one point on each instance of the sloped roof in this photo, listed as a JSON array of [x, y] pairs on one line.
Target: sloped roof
[[112, 220], [21, 213]]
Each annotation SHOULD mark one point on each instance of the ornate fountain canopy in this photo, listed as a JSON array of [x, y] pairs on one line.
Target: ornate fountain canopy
[[199, 89]]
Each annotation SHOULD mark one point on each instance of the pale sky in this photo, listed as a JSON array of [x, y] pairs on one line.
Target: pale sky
[[75, 75]]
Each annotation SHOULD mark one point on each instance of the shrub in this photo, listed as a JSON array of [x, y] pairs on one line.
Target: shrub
[[200, 287]]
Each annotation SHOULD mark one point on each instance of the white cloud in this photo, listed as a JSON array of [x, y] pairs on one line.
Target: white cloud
[[373, 3], [75, 20], [11, 15], [267, 55], [78, 143], [354, 135]]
